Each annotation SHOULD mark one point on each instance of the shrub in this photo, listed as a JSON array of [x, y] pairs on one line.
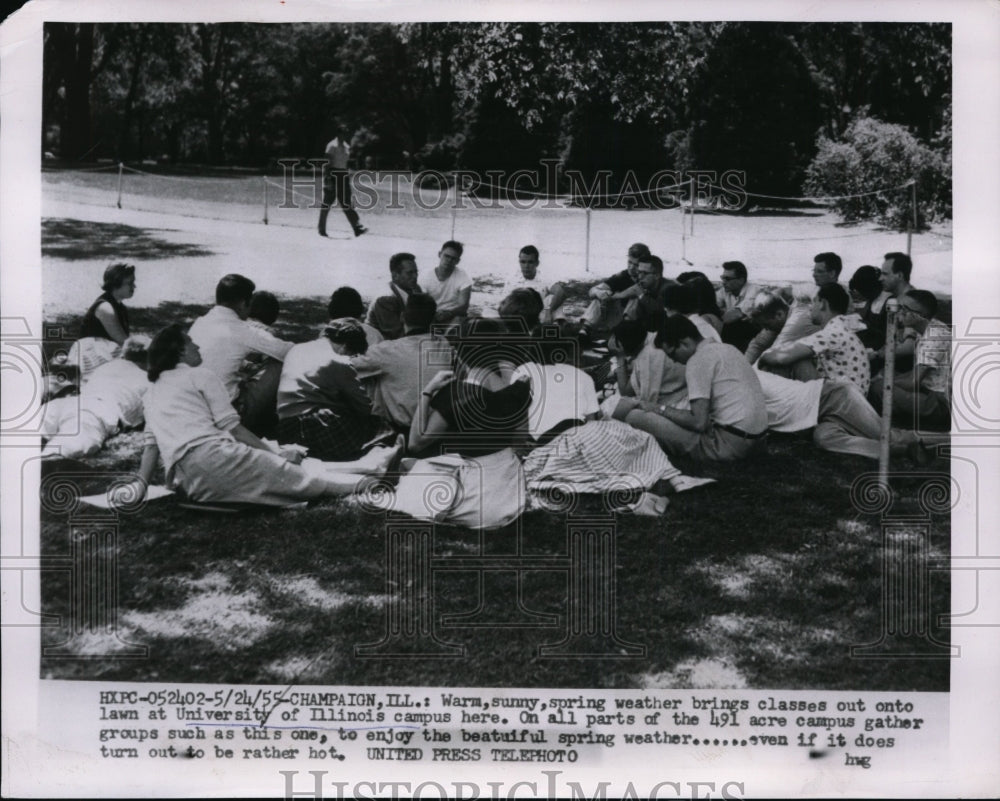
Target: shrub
[[871, 155]]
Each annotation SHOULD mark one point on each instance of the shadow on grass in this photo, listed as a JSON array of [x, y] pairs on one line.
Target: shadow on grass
[[82, 239]]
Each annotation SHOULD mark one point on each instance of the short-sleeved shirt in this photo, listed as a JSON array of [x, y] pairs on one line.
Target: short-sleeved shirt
[[559, 392], [742, 300], [932, 353], [619, 282], [446, 292], [840, 356], [338, 152], [721, 375], [185, 407], [314, 376]]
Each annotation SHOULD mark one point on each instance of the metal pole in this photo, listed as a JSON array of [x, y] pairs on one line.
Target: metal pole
[[692, 208], [454, 211], [684, 234], [120, 168], [587, 259], [891, 306], [265, 200]]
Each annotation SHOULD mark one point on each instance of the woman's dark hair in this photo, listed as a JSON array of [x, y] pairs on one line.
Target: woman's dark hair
[[116, 275], [865, 281], [523, 304], [704, 295], [345, 302], [351, 335], [165, 351], [631, 335]]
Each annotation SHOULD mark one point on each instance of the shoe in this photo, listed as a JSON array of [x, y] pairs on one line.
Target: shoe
[[323, 234], [683, 483], [360, 230]]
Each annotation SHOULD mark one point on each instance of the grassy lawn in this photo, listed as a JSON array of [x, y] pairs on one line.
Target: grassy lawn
[[763, 580]]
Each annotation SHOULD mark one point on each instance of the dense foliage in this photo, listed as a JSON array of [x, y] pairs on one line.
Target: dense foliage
[[639, 97]]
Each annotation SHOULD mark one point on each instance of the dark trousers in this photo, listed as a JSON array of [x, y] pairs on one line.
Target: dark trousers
[[337, 189]]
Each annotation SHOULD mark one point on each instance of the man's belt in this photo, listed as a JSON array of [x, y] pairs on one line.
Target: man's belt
[[740, 433]]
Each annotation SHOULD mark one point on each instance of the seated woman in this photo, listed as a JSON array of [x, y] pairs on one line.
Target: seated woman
[[105, 325], [466, 427], [707, 303], [578, 453], [321, 403], [207, 453]]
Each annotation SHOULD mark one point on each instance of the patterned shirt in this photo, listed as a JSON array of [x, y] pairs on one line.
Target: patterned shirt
[[840, 356], [933, 353]]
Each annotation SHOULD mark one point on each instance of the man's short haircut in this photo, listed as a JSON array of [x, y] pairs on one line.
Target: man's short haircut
[[345, 302], [638, 250], [832, 262], [737, 267], [674, 329], [234, 288], [396, 261], [116, 275], [836, 296], [264, 306], [523, 304], [135, 349], [901, 263], [681, 298], [529, 250], [419, 311], [925, 299], [865, 281], [767, 304], [631, 334], [653, 261], [451, 243]]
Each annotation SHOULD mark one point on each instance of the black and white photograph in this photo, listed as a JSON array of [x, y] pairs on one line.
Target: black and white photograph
[[507, 385]]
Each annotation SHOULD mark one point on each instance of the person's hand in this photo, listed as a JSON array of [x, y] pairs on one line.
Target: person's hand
[[600, 293], [732, 315], [292, 454], [441, 379]]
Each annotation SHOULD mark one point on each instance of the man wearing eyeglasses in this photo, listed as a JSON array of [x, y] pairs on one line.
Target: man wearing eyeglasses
[[924, 393], [653, 288], [736, 301]]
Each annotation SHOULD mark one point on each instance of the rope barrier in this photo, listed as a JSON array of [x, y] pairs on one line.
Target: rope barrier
[[80, 169], [589, 198], [825, 197], [182, 179]]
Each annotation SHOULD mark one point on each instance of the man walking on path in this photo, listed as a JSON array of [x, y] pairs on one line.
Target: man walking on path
[[337, 184]]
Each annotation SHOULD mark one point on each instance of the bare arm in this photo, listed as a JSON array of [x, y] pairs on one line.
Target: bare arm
[[106, 316], [784, 356], [696, 419]]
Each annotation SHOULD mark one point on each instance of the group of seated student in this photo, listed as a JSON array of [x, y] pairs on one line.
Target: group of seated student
[[232, 409]]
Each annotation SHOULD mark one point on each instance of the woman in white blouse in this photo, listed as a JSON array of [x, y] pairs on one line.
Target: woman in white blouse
[[207, 453]]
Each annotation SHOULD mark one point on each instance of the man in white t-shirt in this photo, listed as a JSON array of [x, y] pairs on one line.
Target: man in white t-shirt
[[450, 287], [552, 295]]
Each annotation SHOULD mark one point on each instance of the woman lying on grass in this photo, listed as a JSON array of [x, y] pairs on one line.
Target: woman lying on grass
[[207, 453]]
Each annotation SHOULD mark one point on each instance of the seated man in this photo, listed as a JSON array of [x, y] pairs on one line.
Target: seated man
[[653, 289], [727, 419], [735, 301], [552, 295], [225, 339], [834, 351], [782, 320], [610, 297], [400, 368], [450, 286], [111, 400], [346, 304], [842, 419], [923, 395], [386, 313]]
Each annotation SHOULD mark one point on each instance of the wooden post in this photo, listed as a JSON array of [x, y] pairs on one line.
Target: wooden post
[[265, 200], [587, 259], [891, 306], [121, 167]]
